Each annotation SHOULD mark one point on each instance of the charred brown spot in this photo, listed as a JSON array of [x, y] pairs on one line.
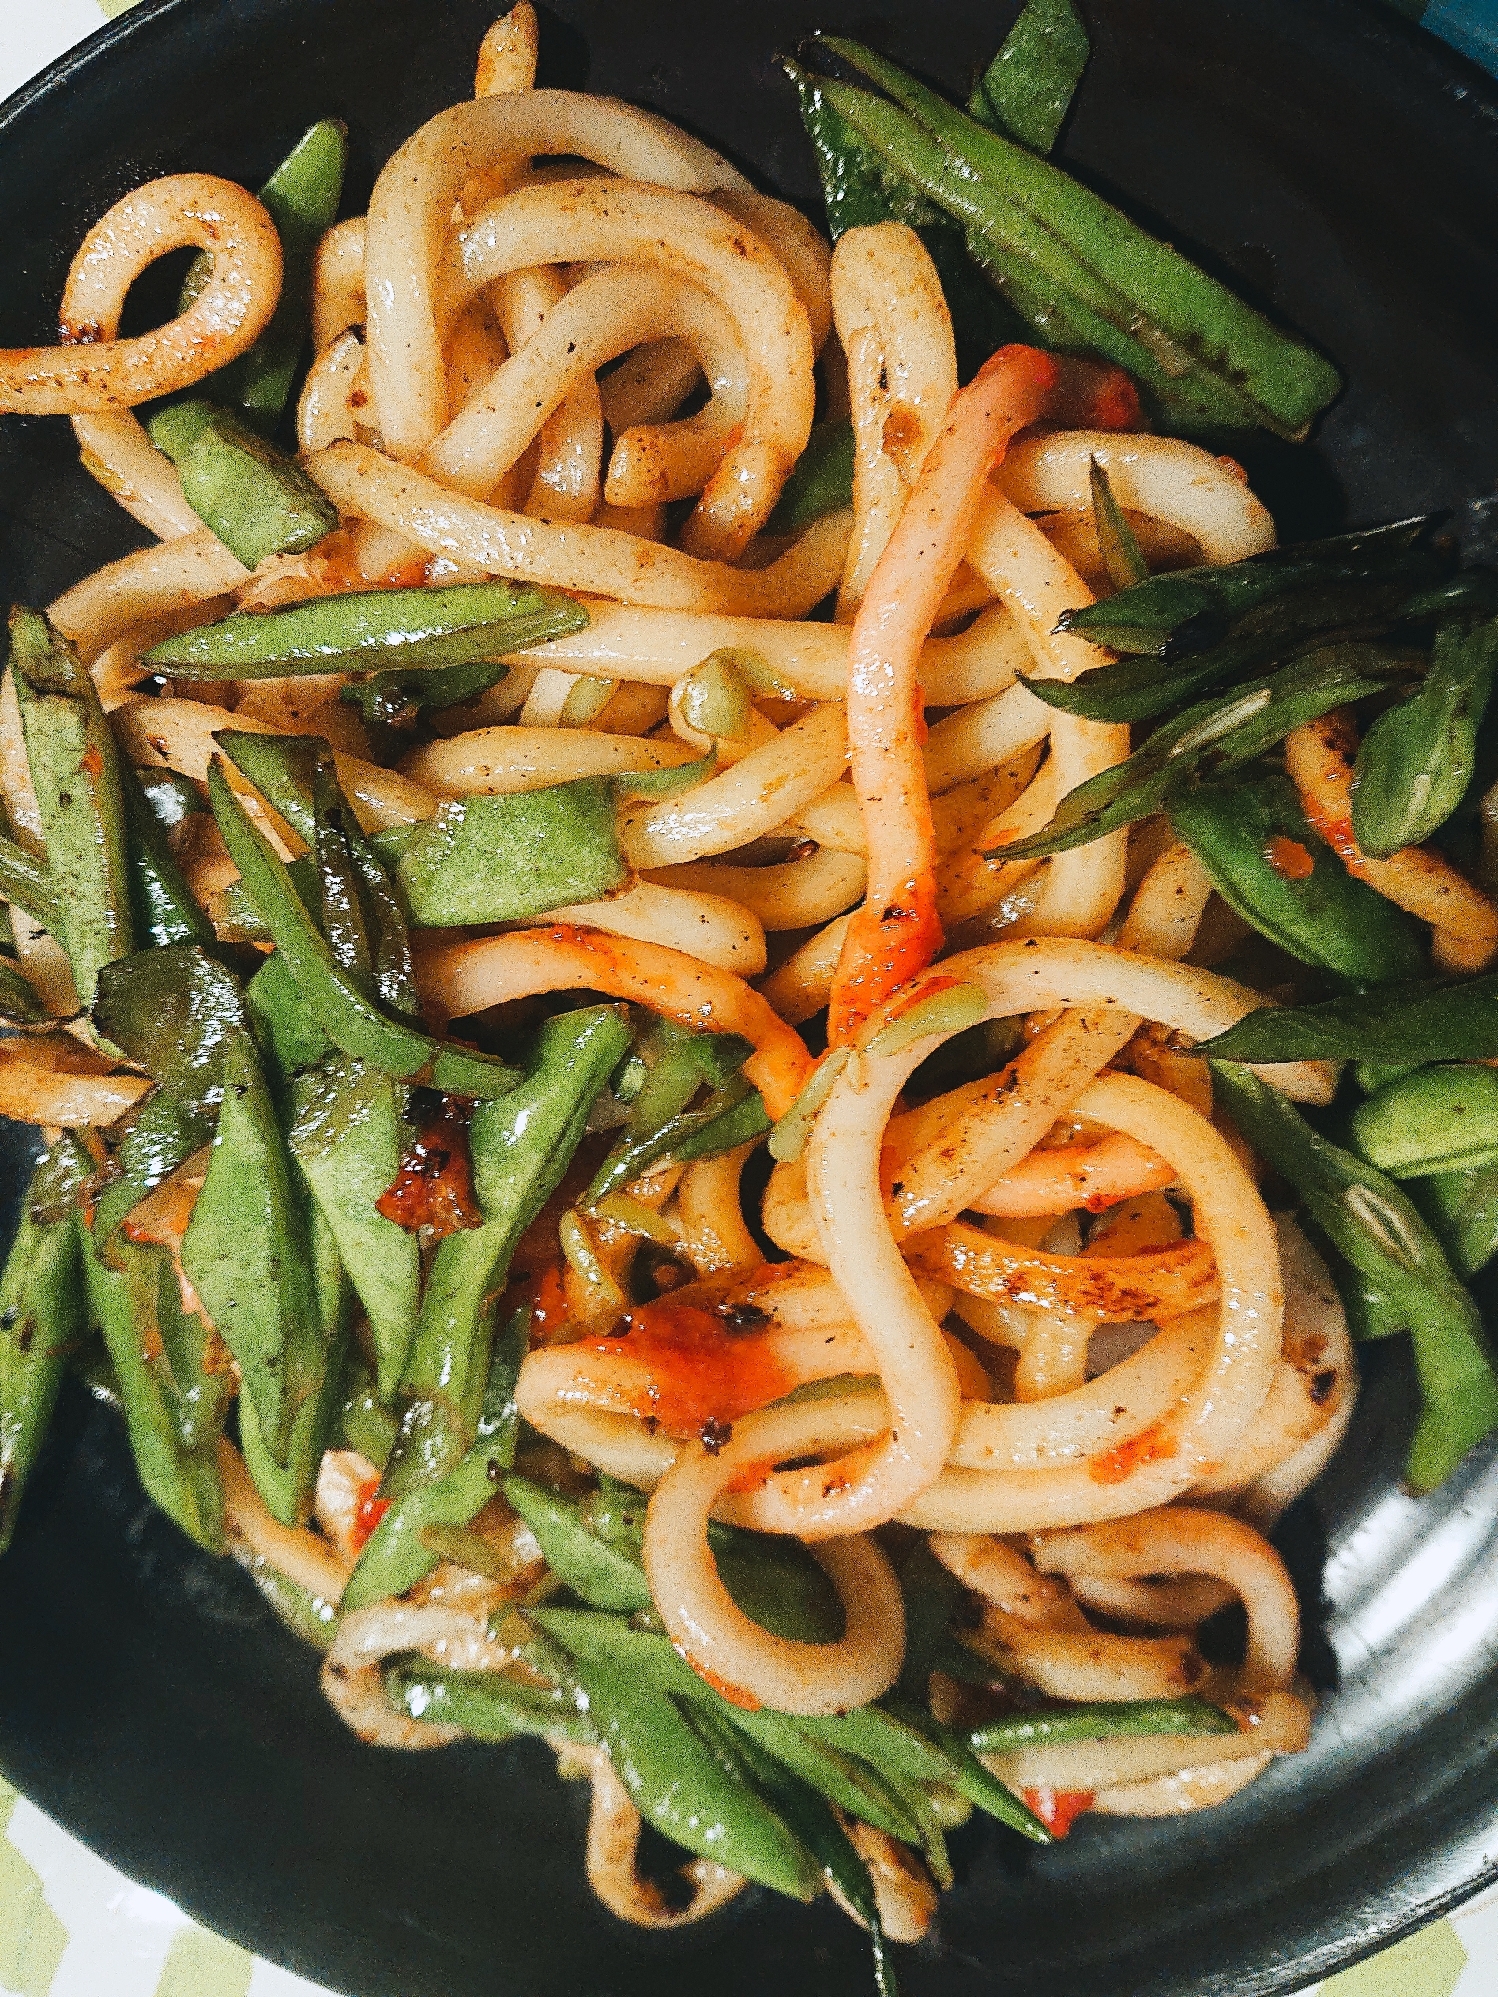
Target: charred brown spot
[[743, 1317], [1322, 1385], [715, 1435]]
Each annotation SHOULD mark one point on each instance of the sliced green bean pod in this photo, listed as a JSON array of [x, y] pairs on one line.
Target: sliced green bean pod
[[75, 769], [1208, 357], [1416, 763], [311, 1617], [25, 881], [364, 1421], [174, 1012], [1438, 1119], [290, 1042], [1026, 91], [507, 858], [333, 999], [302, 199], [363, 916], [1125, 1719], [258, 501], [606, 1652], [348, 1132], [1376, 1228], [774, 1580], [391, 703], [424, 1507], [1462, 1207], [488, 1705], [1401, 1024], [163, 905], [174, 1406], [41, 1317], [520, 1147], [246, 1252], [1267, 863], [599, 1574], [170, 798], [693, 1782], [812, 1822], [1211, 737], [861, 186], [368, 630], [288, 1487]]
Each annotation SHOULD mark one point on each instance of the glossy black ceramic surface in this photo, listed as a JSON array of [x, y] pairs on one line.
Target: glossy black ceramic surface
[[1345, 170]]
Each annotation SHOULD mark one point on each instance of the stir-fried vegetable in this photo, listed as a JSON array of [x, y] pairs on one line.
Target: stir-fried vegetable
[[258, 501], [302, 197], [1384, 1237], [324, 1252], [1081, 276], [383, 630]]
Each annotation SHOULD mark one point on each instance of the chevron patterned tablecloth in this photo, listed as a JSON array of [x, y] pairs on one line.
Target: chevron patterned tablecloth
[[72, 1926]]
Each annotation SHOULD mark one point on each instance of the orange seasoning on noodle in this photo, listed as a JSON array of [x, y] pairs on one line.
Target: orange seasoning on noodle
[[702, 1375]]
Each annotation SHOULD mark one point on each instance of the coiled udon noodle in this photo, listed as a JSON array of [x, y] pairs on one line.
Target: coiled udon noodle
[[1090, 1395]]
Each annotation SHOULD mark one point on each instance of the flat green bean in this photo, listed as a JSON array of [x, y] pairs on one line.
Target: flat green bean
[[860, 186], [1315, 910], [174, 1012], [258, 501], [367, 630], [333, 1000], [508, 858], [1438, 1119], [75, 770], [348, 1132], [41, 1317], [1376, 1228], [1127, 1719], [1404, 1025], [301, 197], [174, 1408], [1415, 764], [1213, 736], [520, 1148], [821, 483], [1462, 1207], [488, 1705], [599, 1574], [1026, 91], [288, 1485], [247, 1255], [1207, 357], [697, 1794]]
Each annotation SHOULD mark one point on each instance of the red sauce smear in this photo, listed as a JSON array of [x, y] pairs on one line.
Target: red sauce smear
[[736, 1695], [882, 952], [368, 1513], [1059, 1809], [1289, 858], [548, 1305], [1153, 1445], [434, 1186], [700, 1371]]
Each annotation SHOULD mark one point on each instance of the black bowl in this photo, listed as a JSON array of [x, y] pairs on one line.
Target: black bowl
[[1344, 170]]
